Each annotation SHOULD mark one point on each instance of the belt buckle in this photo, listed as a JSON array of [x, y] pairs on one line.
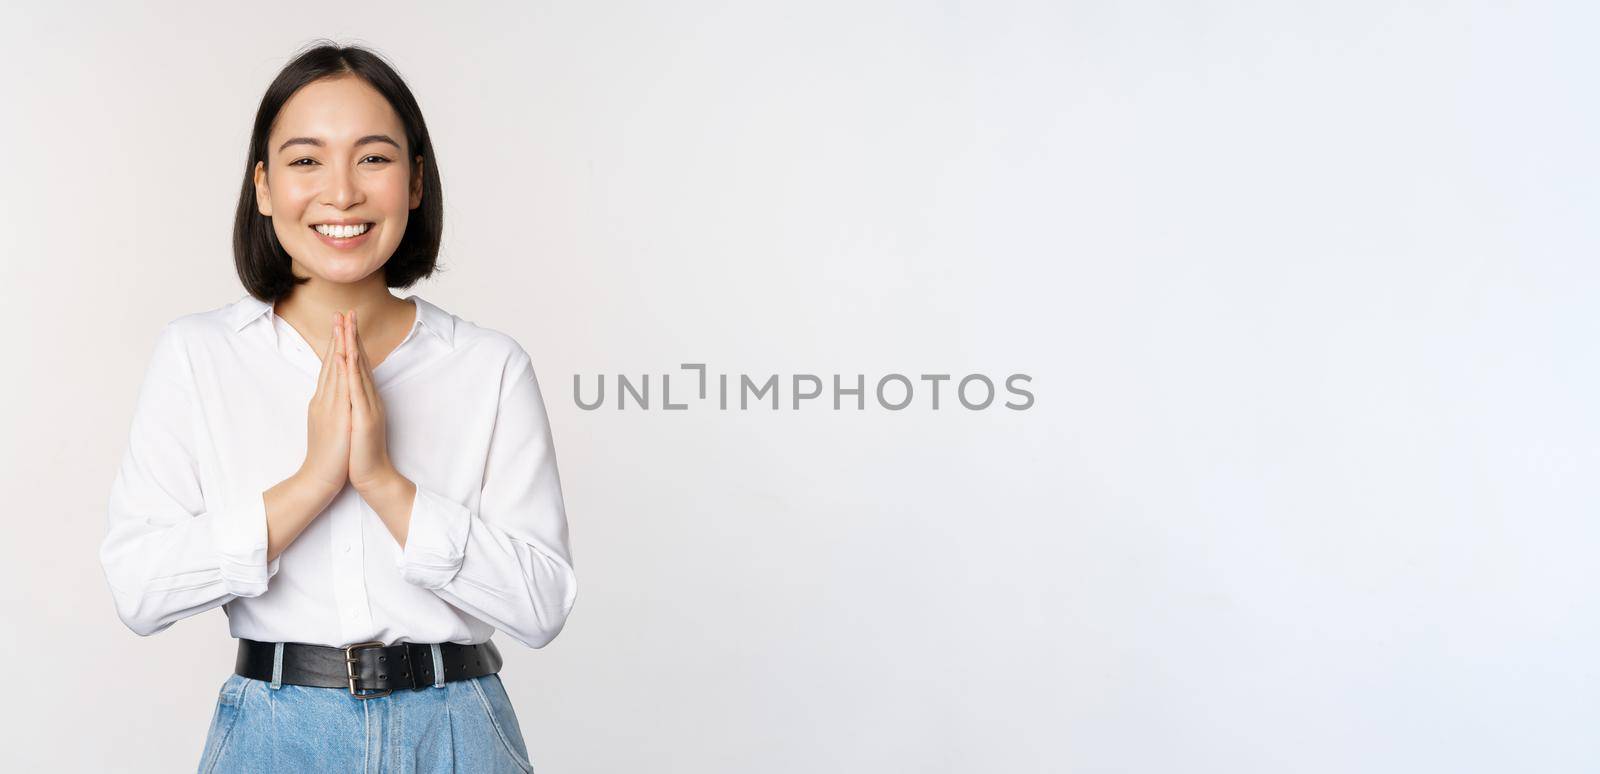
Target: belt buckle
[[350, 661]]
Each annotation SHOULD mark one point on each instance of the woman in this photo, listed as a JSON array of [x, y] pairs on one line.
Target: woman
[[363, 565]]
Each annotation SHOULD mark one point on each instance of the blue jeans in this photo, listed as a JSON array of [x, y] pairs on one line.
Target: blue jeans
[[459, 726]]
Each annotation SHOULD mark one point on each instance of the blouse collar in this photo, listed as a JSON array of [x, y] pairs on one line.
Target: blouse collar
[[437, 321]]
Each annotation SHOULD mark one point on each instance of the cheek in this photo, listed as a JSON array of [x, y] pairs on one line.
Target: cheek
[[291, 197], [395, 193], [393, 200]]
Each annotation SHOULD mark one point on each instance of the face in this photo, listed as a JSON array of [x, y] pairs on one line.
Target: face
[[336, 183]]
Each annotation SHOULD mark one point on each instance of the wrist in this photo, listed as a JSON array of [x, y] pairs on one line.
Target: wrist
[[315, 493], [386, 482], [392, 497]]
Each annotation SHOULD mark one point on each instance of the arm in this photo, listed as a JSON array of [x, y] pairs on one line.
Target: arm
[[507, 563], [165, 556]]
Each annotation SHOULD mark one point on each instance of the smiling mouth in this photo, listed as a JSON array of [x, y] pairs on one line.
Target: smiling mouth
[[342, 232]]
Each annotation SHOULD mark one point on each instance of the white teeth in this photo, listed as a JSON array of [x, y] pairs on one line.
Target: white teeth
[[342, 232]]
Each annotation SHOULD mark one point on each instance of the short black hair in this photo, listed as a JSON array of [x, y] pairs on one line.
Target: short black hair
[[262, 263]]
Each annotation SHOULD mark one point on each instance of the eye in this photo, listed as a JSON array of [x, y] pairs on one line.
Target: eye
[[296, 162]]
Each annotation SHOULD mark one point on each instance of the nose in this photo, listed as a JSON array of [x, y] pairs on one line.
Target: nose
[[343, 191]]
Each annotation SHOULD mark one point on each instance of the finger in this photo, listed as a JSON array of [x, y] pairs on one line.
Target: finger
[[341, 387], [338, 356], [361, 347], [330, 366], [368, 387], [351, 367]]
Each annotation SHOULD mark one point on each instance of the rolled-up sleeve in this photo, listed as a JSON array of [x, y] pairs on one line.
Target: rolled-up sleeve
[[509, 562], [241, 546], [165, 556]]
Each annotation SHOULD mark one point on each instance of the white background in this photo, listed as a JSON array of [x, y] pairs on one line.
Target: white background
[[1307, 291]]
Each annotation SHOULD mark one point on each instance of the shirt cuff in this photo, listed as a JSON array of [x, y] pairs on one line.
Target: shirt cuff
[[240, 538], [436, 540]]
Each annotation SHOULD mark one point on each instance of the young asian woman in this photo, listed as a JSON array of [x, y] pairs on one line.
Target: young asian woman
[[366, 484]]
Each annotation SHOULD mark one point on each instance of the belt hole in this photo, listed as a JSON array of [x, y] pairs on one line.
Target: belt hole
[[383, 658], [405, 674], [382, 676]]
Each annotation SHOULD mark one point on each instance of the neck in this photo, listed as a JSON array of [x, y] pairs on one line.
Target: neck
[[310, 308]]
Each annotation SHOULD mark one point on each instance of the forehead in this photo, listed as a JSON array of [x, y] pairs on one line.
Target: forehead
[[338, 111]]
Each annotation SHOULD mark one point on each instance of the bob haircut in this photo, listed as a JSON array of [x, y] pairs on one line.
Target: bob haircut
[[262, 263]]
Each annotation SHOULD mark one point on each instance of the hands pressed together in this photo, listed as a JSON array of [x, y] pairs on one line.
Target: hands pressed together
[[346, 436]]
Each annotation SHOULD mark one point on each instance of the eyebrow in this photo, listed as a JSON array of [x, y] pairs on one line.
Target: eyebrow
[[369, 139]]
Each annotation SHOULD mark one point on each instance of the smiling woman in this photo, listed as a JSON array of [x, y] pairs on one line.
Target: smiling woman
[[316, 459], [340, 176]]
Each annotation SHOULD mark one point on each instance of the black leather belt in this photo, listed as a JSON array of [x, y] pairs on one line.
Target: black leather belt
[[366, 666]]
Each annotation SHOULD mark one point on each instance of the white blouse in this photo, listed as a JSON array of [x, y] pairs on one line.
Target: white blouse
[[221, 417]]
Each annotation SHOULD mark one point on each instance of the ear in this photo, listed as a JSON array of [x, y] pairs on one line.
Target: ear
[[416, 184], [263, 193]]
